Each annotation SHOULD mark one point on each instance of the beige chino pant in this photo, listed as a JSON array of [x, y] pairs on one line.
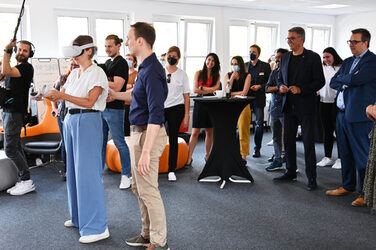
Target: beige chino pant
[[146, 187]]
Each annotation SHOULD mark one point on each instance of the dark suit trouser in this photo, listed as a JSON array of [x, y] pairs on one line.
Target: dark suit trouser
[[291, 123], [353, 145]]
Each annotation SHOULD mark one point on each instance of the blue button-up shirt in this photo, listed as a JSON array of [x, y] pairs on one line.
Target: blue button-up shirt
[[340, 100], [149, 94], [276, 99]]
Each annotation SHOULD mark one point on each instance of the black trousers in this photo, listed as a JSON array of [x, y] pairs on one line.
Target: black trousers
[[127, 125], [328, 112], [174, 117], [291, 123]]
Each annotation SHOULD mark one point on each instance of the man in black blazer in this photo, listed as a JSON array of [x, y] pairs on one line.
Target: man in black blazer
[[260, 72], [300, 77], [355, 83]]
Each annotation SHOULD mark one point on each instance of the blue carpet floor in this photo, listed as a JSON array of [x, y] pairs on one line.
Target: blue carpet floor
[[262, 215]]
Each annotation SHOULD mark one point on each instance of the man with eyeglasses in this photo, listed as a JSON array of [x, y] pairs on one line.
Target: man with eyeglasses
[[356, 85], [300, 77]]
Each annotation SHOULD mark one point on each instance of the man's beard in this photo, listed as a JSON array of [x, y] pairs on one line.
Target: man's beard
[[21, 59]]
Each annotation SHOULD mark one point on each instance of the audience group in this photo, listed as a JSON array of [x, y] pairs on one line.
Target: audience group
[[152, 99]]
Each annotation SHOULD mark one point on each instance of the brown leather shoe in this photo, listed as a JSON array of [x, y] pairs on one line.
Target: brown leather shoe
[[359, 202], [339, 191]]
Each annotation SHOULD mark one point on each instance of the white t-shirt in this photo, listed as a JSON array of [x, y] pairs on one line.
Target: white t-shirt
[[178, 86], [327, 94], [81, 86]]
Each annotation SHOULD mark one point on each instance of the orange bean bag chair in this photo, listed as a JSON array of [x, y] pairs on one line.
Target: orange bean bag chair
[[113, 157]]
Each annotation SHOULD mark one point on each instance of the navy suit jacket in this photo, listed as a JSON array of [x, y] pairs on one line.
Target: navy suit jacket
[[361, 90], [309, 77]]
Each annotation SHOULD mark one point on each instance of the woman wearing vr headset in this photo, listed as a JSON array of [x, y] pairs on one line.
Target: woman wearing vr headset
[[84, 93]]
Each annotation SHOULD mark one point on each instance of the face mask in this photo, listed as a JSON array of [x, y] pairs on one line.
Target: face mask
[[252, 57], [163, 63], [130, 63], [235, 68], [172, 61]]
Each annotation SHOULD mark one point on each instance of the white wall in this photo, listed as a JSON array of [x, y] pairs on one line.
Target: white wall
[[346, 23], [43, 29]]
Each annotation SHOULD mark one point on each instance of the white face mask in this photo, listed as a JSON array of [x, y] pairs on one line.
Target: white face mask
[[163, 63], [235, 68], [130, 63]]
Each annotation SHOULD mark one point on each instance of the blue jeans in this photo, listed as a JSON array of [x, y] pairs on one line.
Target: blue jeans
[[259, 131], [276, 124], [12, 124], [113, 121], [60, 123]]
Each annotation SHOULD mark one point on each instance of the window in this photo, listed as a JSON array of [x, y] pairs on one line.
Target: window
[[244, 34], [105, 27], [317, 37], [166, 36], [99, 25], [71, 27], [266, 38], [8, 23], [320, 38], [197, 47], [239, 44], [193, 37]]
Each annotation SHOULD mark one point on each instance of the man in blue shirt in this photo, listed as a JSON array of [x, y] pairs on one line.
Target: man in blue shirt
[[356, 85], [276, 115], [148, 136]]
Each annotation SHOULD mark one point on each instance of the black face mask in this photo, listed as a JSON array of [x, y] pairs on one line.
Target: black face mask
[[172, 61], [252, 57]]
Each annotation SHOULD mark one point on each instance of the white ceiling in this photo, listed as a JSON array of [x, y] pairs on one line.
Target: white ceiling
[[304, 6]]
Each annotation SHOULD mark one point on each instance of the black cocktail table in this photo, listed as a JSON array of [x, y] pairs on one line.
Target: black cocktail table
[[225, 160]]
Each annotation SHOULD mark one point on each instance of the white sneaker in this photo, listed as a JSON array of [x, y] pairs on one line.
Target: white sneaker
[[10, 189], [95, 237], [337, 164], [125, 182], [171, 176], [68, 223], [270, 143], [38, 162], [22, 188], [326, 161]]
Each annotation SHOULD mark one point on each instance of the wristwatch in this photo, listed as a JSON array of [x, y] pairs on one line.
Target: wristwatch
[[7, 51], [201, 87]]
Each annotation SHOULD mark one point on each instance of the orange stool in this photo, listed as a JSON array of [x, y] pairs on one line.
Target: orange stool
[[113, 157]]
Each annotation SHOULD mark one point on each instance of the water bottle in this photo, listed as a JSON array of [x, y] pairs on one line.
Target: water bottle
[[228, 90]]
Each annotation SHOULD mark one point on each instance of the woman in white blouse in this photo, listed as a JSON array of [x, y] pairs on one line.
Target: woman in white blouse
[[84, 93], [176, 105], [328, 109]]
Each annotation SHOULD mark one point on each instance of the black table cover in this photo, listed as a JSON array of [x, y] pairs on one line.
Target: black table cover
[[224, 159]]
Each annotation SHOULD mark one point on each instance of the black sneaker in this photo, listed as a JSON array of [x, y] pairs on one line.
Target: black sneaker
[[138, 241], [271, 159], [256, 154], [312, 185], [286, 177], [274, 166], [157, 247]]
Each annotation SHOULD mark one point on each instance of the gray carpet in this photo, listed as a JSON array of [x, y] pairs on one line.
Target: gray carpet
[[263, 215]]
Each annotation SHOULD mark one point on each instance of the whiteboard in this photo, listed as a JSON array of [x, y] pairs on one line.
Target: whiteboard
[[63, 65]]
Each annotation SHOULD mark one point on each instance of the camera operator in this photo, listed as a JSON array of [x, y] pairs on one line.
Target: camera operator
[[18, 81]]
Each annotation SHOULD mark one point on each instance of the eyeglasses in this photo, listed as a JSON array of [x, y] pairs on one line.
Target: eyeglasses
[[353, 42], [291, 38], [168, 78]]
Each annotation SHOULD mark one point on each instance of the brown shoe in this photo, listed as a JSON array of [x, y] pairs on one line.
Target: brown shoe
[[359, 202], [339, 191]]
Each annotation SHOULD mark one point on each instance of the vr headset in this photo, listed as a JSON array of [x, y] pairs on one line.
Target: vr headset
[[76, 50]]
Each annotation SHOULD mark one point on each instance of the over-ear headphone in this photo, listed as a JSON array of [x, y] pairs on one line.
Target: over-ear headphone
[[32, 47]]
